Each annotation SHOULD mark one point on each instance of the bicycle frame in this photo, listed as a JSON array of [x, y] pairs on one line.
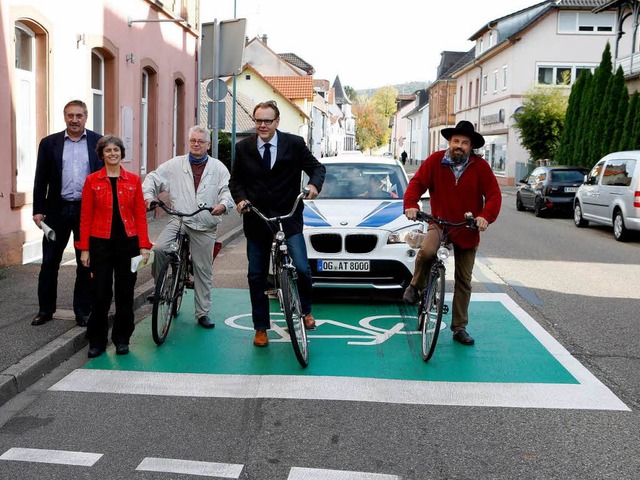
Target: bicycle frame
[[285, 279], [432, 307], [168, 297]]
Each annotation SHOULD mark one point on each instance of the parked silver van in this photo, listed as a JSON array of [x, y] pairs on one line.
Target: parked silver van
[[611, 194]]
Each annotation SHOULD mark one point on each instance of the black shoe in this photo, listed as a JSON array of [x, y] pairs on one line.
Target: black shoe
[[95, 352], [41, 319], [463, 337], [411, 295], [82, 320], [206, 322], [122, 349]]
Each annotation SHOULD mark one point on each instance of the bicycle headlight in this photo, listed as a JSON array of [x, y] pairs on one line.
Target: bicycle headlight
[[280, 236], [173, 247], [400, 236], [443, 253]]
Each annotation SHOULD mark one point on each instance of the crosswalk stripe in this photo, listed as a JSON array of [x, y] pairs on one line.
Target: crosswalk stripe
[[60, 457], [297, 473], [190, 467]]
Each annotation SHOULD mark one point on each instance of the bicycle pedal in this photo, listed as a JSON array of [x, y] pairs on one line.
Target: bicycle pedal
[[445, 309]]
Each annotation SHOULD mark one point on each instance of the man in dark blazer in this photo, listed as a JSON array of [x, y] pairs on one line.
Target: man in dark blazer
[[64, 161], [267, 173]]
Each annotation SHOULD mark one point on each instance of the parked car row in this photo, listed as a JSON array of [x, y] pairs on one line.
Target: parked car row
[[608, 194]]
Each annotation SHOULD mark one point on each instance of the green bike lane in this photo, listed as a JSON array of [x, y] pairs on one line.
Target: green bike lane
[[359, 352]]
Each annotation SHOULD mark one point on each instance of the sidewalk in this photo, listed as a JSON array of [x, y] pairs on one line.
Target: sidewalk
[[28, 353]]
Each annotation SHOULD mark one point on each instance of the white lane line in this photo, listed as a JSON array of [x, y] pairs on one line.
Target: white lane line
[[593, 396], [190, 467], [297, 473], [60, 457]]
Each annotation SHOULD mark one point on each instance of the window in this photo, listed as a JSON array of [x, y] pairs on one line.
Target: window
[[144, 121], [97, 91], [504, 77], [618, 173], [481, 45], [178, 116], [477, 90], [484, 85], [469, 93], [564, 75], [586, 22], [25, 94], [460, 99], [491, 39], [495, 81]]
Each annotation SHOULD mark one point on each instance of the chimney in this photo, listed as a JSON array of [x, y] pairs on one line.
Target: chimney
[[264, 39]]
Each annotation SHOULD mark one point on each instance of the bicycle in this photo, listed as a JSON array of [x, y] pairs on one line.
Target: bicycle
[[173, 276], [285, 278], [431, 306]]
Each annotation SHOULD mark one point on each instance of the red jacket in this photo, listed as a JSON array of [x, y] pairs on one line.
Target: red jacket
[[97, 208], [476, 191]]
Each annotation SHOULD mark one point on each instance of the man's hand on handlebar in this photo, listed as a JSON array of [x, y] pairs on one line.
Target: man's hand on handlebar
[[482, 224], [411, 213], [243, 206], [151, 203], [313, 192], [219, 209]]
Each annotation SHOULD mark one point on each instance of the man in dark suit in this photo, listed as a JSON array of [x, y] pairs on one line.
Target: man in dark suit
[[64, 161], [267, 173]]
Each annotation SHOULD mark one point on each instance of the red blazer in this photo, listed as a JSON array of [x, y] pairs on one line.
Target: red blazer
[[97, 208]]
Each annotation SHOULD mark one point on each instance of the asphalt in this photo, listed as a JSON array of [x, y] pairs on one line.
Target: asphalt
[[28, 353]]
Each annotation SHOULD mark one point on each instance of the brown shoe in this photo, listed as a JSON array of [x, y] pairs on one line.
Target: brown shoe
[[309, 322], [261, 339]]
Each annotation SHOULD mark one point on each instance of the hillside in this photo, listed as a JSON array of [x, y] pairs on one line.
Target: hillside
[[403, 88]]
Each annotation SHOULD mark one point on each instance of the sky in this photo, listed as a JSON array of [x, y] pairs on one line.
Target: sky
[[368, 44]]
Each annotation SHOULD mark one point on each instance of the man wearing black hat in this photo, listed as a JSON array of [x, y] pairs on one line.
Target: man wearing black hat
[[458, 181]]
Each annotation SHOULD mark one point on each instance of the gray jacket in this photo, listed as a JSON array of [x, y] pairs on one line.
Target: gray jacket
[[176, 178]]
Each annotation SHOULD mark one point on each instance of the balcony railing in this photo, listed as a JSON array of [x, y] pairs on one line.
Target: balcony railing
[[630, 64]]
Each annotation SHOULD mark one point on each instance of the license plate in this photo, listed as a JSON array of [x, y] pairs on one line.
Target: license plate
[[571, 189], [343, 265]]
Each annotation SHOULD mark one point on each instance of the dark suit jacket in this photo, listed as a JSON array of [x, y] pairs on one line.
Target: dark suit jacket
[[47, 185], [273, 192]]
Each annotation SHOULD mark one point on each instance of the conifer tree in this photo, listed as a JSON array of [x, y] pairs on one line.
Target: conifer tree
[[589, 123], [608, 120], [633, 112], [567, 150]]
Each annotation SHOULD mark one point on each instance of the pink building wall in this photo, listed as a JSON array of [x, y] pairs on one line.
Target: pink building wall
[[67, 33]]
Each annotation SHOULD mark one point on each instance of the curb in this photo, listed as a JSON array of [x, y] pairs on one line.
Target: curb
[[21, 375]]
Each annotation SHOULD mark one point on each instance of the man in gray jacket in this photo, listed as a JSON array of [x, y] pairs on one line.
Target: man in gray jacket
[[190, 180]]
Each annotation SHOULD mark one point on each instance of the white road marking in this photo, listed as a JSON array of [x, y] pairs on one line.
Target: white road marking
[[60, 457], [190, 467], [588, 394], [297, 473]]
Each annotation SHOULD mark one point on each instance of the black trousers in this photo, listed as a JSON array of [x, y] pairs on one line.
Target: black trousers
[[63, 223], [110, 265]]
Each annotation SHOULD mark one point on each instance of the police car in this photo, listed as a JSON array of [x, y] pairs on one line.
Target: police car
[[355, 230]]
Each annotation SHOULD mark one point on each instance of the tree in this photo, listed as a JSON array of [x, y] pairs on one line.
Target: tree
[[633, 112], [566, 151], [384, 101], [351, 93], [540, 121], [371, 127]]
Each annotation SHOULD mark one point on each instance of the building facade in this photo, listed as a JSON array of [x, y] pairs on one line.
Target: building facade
[[133, 62]]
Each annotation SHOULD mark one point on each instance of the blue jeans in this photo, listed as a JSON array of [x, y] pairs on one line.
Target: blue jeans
[[258, 254]]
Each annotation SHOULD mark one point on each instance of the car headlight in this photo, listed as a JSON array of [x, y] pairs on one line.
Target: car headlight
[[400, 236]]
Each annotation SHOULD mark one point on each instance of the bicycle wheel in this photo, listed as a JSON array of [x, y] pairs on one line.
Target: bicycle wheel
[[163, 303], [293, 315], [430, 311]]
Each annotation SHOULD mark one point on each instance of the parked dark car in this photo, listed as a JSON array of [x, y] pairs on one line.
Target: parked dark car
[[550, 189]]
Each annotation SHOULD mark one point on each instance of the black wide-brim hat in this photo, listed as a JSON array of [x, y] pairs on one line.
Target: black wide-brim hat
[[464, 128]]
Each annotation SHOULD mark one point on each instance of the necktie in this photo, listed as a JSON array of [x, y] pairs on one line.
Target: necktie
[[266, 158]]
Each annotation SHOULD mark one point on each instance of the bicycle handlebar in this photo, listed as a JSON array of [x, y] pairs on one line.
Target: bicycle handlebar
[[201, 208], [303, 194], [469, 221]]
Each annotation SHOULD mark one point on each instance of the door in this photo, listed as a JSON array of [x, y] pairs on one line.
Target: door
[[25, 81]]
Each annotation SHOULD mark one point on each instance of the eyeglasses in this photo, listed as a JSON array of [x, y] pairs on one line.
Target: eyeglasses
[[193, 141], [267, 121]]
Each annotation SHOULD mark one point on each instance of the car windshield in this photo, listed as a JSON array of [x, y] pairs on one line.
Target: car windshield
[[363, 181], [567, 176]]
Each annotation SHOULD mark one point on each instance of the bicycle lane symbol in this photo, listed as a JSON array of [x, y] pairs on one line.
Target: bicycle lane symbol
[[367, 332]]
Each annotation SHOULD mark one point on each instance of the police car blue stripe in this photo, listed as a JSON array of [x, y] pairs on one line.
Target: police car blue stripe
[[385, 213], [312, 217]]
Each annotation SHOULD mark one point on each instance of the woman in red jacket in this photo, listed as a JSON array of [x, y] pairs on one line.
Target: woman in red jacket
[[113, 229]]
